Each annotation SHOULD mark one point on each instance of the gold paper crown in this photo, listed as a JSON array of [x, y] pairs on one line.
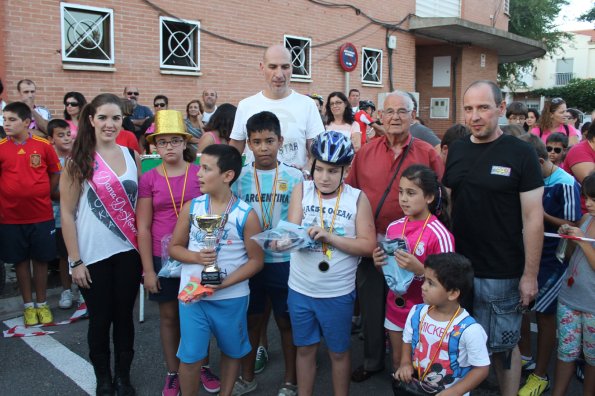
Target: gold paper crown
[[168, 122]]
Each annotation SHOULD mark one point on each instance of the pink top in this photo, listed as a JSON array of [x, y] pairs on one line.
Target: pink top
[[215, 137], [345, 129], [73, 128], [153, 185], [435, 239], [580, 152], [571, 132]]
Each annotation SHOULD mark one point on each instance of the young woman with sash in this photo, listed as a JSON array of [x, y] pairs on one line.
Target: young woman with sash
[[98, 190], [162, 192]]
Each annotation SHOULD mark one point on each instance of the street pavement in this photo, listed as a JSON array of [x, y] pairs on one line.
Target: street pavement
[[58, 364]]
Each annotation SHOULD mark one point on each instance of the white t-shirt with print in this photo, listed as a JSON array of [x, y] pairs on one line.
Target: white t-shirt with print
[[299, 120]]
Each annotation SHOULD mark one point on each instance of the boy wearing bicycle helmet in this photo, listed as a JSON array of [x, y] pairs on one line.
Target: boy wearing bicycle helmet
[[369, 127], [322, 279]]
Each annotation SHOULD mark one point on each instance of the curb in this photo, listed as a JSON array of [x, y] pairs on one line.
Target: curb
[[12, 307]]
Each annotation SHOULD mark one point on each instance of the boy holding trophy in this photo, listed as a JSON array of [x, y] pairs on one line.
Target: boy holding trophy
[[212, 240]]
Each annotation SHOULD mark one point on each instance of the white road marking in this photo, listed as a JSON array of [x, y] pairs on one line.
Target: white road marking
[[72, 365]]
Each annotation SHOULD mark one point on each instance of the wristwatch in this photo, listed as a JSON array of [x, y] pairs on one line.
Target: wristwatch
[[74, 263]]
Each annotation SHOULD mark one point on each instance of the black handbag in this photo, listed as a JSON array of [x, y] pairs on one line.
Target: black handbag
[[414, 388]]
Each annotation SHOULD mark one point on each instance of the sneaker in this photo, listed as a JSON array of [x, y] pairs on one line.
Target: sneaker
[[65, 299], [44, 314], [262, 357], [210, 381], [535, 386], [30, 316], [172, 385], [528, 365], [241, 387], [287, 389]]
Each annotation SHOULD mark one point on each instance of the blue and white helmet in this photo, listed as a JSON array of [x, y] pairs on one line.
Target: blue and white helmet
[[333, 147]]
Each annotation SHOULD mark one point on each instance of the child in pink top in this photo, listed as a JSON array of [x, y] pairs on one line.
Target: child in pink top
[[423, 200]]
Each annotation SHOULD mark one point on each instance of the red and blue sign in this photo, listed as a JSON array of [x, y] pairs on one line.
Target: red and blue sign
[[348, 57]]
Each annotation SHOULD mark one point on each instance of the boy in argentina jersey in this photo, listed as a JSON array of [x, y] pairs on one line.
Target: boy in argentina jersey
[[266, 185]]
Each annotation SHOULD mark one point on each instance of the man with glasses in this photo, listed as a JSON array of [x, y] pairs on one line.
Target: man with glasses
[[41, 115], [140, 112], [372, 171], [516, 113], [497, 217], [209, 98]]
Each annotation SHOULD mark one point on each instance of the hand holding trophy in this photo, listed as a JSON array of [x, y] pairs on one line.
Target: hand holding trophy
[[212, 225]]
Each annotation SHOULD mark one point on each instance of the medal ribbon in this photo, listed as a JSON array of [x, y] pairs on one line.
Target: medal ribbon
[[325, 250], [420, 234], [171, 194], [429, 365], [266, 224]]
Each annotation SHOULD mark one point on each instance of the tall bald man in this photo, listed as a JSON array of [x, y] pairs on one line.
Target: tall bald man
[[299, 117], [209, 98], [497, 216]]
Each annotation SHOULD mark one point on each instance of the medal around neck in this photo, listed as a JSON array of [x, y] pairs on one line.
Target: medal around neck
[[397, 278], [211, 224]]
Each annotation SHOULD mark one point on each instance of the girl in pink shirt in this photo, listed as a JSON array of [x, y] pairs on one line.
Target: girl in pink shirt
[[424, 202], [553, 119]]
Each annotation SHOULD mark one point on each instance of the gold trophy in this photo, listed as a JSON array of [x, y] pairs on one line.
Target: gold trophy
[[211, 223]]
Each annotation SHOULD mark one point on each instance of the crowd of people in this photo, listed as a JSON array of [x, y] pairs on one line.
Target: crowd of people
[[492, 223]]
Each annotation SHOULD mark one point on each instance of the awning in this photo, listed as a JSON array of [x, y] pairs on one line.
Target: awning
[[510, 47]]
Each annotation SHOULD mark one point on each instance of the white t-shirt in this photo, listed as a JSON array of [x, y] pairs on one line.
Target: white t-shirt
[[305, 277], [472, 347], [345, 129], [299, 120], [207, 116]]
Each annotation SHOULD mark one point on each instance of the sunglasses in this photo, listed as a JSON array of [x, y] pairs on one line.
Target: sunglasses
[[556, 150], [71, 104], [130, 93], [159, 105], [557, 101]]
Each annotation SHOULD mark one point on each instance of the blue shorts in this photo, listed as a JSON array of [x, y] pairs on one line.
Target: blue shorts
[[169, 286], [225, 319], [271, 282], [549, 280], [330, 318], [22, 242], [496, 309]]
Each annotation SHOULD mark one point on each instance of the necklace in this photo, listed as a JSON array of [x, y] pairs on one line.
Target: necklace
[[437, 351], [267, 217], [171, 194], [420, 234], [324, 266]]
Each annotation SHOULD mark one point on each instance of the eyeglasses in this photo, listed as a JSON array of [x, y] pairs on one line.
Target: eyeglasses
[[517, 118], [71, 104], [130, 93], [173, 142], [338, 103], [556, 150], [159, 105], [399, 112]]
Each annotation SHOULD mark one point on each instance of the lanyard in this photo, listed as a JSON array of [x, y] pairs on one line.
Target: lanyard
[[420, 234], [267, 218], [429, 365], [325, 250], [171, 194]]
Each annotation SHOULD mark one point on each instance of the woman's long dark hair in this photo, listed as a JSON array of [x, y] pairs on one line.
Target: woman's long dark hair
[[347, 113], [222, 120], [80, 165], [80, 98], [426, 179]]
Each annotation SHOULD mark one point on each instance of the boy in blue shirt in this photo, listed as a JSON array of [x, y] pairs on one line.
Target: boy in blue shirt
[[222, 314], [266, 184]]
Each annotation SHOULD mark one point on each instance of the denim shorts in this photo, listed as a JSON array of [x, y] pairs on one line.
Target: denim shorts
[[496, 308]]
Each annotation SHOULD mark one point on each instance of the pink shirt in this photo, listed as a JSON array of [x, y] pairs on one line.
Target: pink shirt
[[571, 132], [73, 128], [580, 152], [435, 239], [153, 185], [345, 129]]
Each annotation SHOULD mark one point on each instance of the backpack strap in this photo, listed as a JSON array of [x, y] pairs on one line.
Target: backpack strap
[[566, 129], [453, 347], [415, 327]]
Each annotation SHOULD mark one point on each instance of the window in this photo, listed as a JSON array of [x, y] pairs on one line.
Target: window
[[564, 71], [507, 7], [87, 34], [371, 66], [300, 49], [439, 107], [180, 44]]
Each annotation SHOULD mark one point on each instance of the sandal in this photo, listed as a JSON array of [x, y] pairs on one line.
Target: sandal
[[360, 374]]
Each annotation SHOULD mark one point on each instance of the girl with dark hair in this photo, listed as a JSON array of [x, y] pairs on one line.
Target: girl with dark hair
[[532, 119], [574, 118], [218, 129], [425, 204], [98, 191], [73, 105], [553, 119], [193, 121], [339, 117]]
